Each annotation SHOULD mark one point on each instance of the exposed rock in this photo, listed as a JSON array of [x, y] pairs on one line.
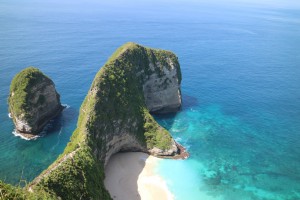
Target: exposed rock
[[162, 90], [33, 101]]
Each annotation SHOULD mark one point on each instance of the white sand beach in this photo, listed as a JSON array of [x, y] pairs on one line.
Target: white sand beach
[[131, 176]]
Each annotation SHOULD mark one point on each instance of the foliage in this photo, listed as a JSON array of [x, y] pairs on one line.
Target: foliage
[[80, 177], [9, 192], [21, 87], [155, 135]]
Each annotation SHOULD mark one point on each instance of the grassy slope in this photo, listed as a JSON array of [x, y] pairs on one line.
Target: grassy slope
[[9, 192], [115, 96]]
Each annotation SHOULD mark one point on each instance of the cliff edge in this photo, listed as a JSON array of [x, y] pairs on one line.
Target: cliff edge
[[115, 117], [33, 101]]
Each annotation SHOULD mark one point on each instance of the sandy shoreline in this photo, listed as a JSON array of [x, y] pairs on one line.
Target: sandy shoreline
[[131, 176]]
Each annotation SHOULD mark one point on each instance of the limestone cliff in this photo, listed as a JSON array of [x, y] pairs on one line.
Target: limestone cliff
[[33, 101], [162, 87], [115, 117]]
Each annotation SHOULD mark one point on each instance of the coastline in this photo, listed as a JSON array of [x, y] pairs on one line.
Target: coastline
[[131, 176]]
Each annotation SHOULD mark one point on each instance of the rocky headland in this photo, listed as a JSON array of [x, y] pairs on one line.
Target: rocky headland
[[33, 101], [115, 116]]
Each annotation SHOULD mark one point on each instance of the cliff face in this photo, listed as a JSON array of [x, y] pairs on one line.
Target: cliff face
[[115, 117], [162, 90], [33, 101]]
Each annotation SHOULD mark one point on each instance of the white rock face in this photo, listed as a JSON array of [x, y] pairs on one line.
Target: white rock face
[[162, 92], [22, 125]]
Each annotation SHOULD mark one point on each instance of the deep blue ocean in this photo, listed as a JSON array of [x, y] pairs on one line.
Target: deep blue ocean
[[240, 61]]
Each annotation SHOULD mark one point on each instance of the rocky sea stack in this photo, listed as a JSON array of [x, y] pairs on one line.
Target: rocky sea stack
[[33, 101], [115, 116]]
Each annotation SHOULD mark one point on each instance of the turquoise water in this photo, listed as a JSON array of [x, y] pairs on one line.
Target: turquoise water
[[240, 61]]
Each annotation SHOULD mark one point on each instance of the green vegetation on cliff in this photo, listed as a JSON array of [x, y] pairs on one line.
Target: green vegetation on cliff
[[114, 108], [78, 177], [155, 135], [9, 192], [20, 90]]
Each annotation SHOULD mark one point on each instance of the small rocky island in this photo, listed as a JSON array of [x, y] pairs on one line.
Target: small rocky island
[[115, 116], [33, 101]]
